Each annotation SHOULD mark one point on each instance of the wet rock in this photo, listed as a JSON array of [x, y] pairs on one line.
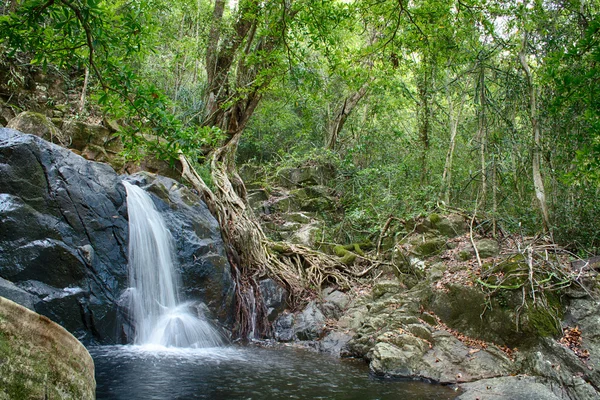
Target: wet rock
[[334, 343], [310, 323], [284, 327], [12, 292], [274, 297], [64, 237]]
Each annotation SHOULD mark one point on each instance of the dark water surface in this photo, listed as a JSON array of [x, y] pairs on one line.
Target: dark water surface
[[132, 372]]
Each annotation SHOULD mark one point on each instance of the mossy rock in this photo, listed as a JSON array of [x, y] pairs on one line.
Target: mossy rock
[[39, 359], [39, 125], [430, 247], [434, 219], [386, 287], [451, 225], [544, 321], [487, 248], [346, 256], [348, 259]]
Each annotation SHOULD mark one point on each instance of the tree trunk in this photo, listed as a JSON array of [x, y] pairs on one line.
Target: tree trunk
[[538, 181], [453, 122], [423, 121], [482, 137], [343, 113]]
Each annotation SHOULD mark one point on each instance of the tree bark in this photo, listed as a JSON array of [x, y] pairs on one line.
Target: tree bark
[[423, 120], [343, 113], [453, 123], [482, 137], [538, 181]]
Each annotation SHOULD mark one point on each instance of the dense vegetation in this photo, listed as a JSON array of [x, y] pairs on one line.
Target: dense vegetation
[[474, 104]]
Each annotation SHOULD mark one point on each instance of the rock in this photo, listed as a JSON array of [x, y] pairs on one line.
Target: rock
[[284, 327], [451, 225], [462, 308], [447, 361], [509, 388], [39, 125], [6, 113], [12, 292], [305, 176], [64, 237], [310, 323], [487, 248], [274, 297], [334, 343], [386, 287], [306, 235], [334, 303], [429, 246], [257, 197], [390, 360], [41, 360], [111, 124]]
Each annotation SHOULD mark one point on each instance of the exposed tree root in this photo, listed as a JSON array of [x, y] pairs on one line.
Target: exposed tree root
[[251, 254]]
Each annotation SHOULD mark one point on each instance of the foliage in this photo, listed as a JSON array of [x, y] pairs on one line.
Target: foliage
[[447, 116]]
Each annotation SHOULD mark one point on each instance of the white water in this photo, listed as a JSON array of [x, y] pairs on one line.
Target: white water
[[159, 318]]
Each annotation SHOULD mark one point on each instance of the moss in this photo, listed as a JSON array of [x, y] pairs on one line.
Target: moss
[[430, 247], [465, 255], [543, 320], [434, 219], [279, 248], [348, 259], [340, 251], [355, 247]]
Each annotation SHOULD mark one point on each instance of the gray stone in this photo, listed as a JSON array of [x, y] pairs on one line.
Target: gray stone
[[334, 343], [310, 323], [451, 225], [305, 176], [509, 388], [12, 292], [334, 304], [257, 197], [284, 327], [487, 248], [386, 287], [64, 237], [274, 297]]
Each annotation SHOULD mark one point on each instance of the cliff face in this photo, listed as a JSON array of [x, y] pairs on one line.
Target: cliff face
[[64, 238]]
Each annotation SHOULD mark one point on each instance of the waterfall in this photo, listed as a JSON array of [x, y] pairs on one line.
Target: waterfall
[[159, 317]]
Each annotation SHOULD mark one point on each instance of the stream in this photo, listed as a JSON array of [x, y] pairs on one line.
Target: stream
[[148, 372]]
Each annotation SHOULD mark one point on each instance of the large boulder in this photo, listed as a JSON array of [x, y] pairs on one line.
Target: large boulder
[[39, 125], [64, 237], [41, 360]]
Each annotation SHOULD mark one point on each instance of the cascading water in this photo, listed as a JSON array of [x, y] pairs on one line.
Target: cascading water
[[159, 318]]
